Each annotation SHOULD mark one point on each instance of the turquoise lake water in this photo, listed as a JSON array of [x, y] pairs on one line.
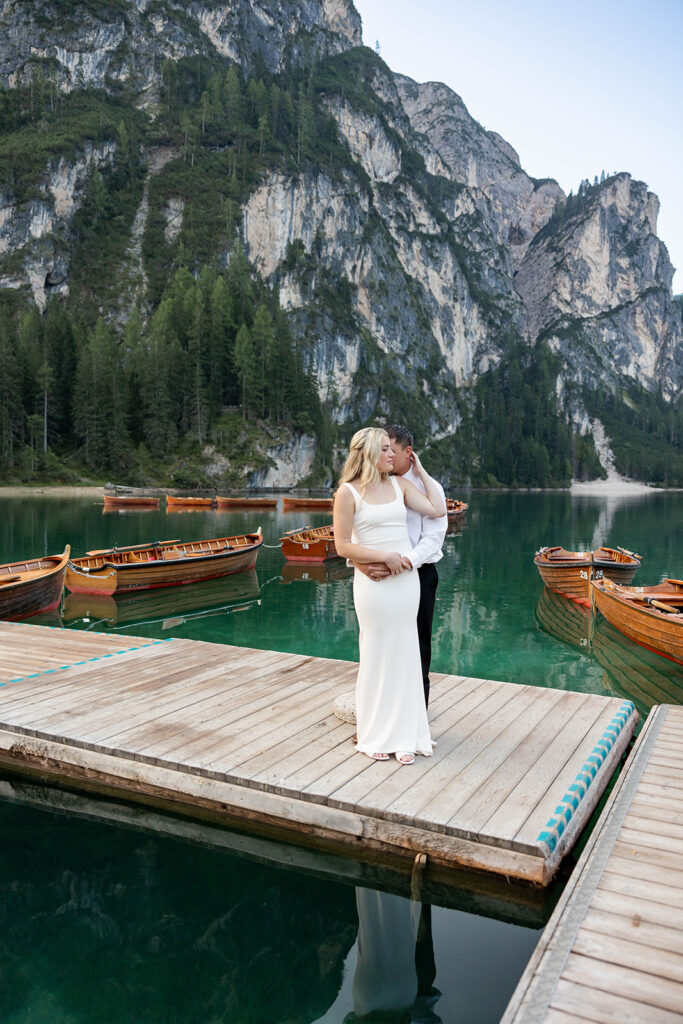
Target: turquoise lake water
[[111, 914]]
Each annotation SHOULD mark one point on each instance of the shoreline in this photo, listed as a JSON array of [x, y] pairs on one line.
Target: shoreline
[[590, 488]]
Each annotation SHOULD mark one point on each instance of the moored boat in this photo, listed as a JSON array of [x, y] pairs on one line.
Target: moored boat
[[172, 501], [309, 545], [32, 586], [246, 502], [455, 509], [570, 572], [118, 501], [292, 502], [651, 616], [162, 564]]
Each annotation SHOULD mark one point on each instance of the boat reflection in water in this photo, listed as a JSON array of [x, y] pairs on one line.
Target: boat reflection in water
[[319, 572], [633, 671], [169, 605], [630, 670], [563, 618]]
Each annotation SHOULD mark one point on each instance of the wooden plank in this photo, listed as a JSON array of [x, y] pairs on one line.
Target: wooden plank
[[642, 933], [636, 908], [607, 1007], [556, 792], [509, 820], [640, 986], [446, 727]]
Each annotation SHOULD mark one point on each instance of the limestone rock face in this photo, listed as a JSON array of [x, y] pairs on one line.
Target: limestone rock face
[[599, 274], [30, 232], [129, 39], [512, 205]]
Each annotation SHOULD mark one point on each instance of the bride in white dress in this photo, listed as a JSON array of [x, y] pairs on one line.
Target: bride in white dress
[[370, 527]]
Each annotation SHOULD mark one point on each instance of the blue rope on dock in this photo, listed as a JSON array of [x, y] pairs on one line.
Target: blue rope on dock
[[88, 661], [578, 789]]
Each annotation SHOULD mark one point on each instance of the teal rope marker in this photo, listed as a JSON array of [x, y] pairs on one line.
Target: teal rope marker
[[581, 784], [88, 661]]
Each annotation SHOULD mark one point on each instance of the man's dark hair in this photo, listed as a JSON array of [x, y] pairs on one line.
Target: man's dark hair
[[401, 434]]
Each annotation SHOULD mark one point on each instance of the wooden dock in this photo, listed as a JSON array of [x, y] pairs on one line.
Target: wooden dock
[[613, 948], [247, 737]]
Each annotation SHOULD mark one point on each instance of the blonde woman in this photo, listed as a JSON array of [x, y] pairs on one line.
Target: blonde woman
[[369, 527]]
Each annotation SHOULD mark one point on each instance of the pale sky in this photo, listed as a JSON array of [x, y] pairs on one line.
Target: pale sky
[[575, 89]]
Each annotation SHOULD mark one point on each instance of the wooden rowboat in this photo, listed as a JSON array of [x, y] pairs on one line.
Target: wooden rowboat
[[651, 616], [34, 586], [309, 545], [130, 501], [570, 572], [309, 503], [174, 502], [224, 502], [162, 564], [455, 509]]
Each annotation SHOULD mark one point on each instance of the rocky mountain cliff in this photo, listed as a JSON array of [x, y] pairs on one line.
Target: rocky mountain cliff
[[410, 264]]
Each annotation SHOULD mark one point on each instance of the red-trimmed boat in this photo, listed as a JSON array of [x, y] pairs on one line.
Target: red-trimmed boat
[[162, 564], [570, 572], [310, 545], [650, 616]]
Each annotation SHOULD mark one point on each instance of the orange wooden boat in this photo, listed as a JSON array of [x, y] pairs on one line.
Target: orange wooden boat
[[34, 586], [224, 502], [309, 545], [162, 564], [455, 509], [570, 572], [650, 616], [310, 503], [174, 502], [130, 501]]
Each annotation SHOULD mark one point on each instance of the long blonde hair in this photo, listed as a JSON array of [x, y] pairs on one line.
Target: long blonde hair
[[364, 452]]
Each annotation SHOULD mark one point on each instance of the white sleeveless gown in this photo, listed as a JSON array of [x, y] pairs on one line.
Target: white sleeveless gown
[[390, 708]]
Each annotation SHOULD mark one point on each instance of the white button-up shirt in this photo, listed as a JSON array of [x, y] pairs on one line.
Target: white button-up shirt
[[426, 535]]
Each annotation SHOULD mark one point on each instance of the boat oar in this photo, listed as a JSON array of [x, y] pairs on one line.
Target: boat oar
[[625, 551], [654, 603]]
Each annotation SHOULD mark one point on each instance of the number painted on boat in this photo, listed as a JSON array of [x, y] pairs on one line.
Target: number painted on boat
[[583, 574], [598, 574]]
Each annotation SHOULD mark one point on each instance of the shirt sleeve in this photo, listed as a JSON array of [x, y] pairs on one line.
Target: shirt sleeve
[[428, 548]]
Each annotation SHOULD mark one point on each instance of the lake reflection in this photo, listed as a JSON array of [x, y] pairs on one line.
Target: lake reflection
[[107, 922], [150, 919]]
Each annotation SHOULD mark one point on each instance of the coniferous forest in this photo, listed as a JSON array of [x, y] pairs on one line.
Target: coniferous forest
[[198, 366]]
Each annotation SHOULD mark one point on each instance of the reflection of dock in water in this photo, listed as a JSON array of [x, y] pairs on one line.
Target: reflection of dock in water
[[563, 618], [168, 603], [318, 572], [634, 672]]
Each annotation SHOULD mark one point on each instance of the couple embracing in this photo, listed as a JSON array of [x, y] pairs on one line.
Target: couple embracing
[[390, 519]]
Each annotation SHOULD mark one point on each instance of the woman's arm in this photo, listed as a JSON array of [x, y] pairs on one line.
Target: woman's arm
[[344, 508], [430, 504]]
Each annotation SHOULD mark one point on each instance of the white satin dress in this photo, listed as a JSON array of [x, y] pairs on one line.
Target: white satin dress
[[390, 707]]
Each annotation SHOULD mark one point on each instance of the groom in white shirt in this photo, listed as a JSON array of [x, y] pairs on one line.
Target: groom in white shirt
[[427, 537]]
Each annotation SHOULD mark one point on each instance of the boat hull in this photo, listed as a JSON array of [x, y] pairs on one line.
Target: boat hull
[[309, 503], [159, 566], [130, 501], [173, 502], [570, 572], [37, 589], [315, 545], [246, 502], [659, 631]]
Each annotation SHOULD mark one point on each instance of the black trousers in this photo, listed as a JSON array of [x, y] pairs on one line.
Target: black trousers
[[429, 581]]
